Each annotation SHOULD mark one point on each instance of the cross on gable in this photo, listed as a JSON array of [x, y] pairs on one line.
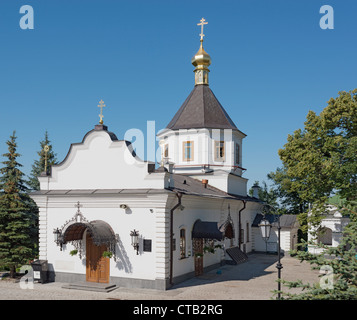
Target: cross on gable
[[101, 105], [78, 216], [78, 205]]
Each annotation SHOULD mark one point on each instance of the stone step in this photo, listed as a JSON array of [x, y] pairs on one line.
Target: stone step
[[237, 255], [91, 286]]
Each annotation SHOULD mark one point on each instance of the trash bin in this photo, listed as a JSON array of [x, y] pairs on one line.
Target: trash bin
[[40, 270]]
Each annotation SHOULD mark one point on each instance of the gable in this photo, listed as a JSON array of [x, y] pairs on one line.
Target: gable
[[101, 161]]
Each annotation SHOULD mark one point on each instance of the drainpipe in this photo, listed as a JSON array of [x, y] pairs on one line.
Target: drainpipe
[[179, 196], [240, 223]]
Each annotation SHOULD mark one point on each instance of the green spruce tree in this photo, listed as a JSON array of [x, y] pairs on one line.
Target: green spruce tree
[[338, 266], [18, 213], [38, 166]]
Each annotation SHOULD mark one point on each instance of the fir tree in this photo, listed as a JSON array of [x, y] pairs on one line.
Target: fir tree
[[39, 165], [18, 213], [340, 282]]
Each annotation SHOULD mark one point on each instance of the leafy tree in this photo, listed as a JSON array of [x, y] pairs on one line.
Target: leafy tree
[[39, 165], [18, 213], [320, 161], [289, 200]]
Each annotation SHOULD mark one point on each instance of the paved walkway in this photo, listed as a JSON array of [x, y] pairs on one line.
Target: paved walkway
[[252, 280]]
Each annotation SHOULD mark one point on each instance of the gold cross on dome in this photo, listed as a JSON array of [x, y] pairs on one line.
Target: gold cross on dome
[[101, 106], [203, 22]]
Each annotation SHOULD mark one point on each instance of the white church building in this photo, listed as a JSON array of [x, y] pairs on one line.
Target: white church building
[[106, 216], [329, 232]]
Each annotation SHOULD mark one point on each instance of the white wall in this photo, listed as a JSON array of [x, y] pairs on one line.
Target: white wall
[[286, 235], [203, 148], [146, 265], [336, 223], [209, 210]]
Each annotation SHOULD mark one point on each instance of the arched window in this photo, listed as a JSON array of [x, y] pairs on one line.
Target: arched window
[[324, 236], [182, 243], [229, 233]]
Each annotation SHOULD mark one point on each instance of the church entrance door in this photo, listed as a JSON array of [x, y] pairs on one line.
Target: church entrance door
[[97, 266], [198, 250]]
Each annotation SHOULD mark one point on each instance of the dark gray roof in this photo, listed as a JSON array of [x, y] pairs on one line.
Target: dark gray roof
[[206, 230], [183, 184], [201, 109], [188, 185], [286, 220]]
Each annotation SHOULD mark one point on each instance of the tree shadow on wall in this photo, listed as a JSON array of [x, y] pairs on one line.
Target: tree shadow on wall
[[123, 262]]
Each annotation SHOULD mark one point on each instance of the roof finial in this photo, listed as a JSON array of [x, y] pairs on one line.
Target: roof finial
[[203, 22], [101, 106], [46, 148], [201, 60]]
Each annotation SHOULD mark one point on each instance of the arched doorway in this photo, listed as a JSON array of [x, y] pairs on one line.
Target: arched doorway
[[97, 266], [99, 237], [202, 231]]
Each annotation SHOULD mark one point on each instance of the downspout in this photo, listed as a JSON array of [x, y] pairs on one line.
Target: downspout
[[179, 196], [240, 223]]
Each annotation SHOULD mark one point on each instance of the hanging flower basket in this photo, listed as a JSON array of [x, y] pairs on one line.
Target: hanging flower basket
[[107, 254], [73, 252]]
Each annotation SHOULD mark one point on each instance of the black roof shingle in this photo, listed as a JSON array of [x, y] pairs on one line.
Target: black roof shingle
[[201, 109]]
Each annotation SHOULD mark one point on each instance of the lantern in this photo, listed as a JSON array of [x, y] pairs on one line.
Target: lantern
[[135, 240], [265, 228]]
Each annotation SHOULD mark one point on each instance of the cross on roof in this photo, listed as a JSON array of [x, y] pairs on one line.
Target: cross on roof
[[203, 22], [101, 105], [78, 205]]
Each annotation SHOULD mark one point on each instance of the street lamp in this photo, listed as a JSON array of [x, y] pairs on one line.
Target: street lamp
[[135, 240], [265, 228]]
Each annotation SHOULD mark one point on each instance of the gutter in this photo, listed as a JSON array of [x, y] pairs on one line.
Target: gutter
[[240, 223], [179, 196]]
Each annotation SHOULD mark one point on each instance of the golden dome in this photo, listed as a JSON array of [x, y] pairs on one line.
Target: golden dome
[[201, 58]]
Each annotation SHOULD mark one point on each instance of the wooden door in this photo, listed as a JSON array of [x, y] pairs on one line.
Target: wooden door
[[97, 267], [198, 250]]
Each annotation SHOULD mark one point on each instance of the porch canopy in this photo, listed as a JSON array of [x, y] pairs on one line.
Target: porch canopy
[[100, 231], [206, 230]]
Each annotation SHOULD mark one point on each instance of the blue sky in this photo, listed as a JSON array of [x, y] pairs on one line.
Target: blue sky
[[271, 64]]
